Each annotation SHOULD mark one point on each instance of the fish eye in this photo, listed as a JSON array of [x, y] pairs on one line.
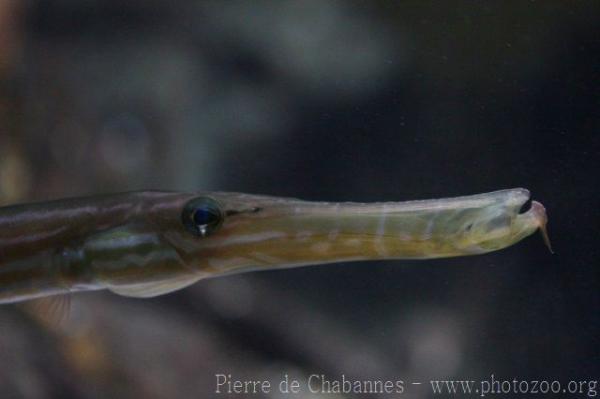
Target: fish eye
[[202, 216]]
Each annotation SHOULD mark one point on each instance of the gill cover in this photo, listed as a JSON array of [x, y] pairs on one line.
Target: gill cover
[[135, 261]]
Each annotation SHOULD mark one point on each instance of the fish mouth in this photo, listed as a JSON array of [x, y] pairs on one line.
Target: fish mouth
[[505, 224], [266, 232]]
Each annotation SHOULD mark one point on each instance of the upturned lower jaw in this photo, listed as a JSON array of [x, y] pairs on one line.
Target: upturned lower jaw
[[537, 219]]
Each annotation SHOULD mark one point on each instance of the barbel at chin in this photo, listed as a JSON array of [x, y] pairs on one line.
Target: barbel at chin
[[148, 243]]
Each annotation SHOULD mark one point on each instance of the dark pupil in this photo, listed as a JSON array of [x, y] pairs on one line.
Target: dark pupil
[[204, 216]]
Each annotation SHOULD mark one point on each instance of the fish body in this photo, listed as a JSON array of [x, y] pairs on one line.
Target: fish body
[[148, 243]]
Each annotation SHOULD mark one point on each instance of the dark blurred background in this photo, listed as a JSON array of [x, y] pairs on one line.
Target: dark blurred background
[[322, 100]]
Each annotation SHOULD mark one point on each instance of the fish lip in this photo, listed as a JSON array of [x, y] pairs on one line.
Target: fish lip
[[518, 196], [539, 213]]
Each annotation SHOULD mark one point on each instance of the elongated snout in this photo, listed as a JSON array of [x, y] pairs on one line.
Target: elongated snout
[[288, 232]]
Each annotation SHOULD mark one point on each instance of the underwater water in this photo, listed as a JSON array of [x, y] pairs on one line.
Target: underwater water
[[332, 101]]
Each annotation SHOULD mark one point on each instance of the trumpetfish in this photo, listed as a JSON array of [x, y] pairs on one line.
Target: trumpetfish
[[148, 243]]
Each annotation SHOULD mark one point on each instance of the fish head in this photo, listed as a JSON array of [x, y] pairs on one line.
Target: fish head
[[498, 225]]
